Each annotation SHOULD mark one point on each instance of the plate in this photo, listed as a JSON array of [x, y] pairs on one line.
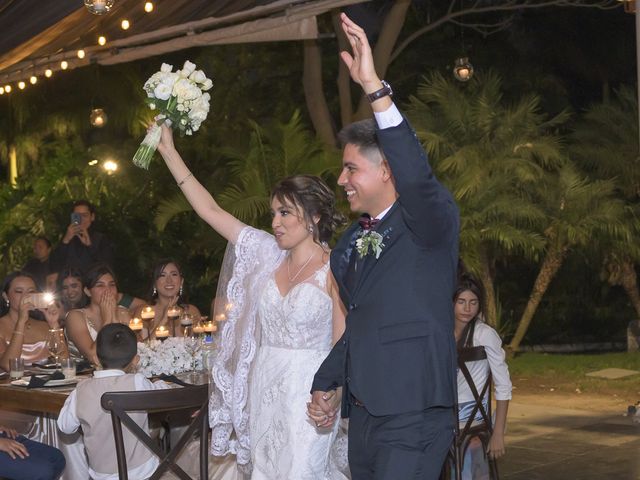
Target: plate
[[24, 381]]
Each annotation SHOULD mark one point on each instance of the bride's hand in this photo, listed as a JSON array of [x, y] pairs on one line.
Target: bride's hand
[[166, 140]]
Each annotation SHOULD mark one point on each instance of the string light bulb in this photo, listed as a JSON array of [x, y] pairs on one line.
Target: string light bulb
[[98, 117], [33, 80], [7, 88], [48, 72], [102, 40], [1, 90], [64, 65], [462, 69], [80, 53], [125, 24], [148, 7], [98, 7], [21, 85]]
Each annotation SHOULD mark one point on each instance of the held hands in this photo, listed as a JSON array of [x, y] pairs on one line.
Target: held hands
[[323, 408]]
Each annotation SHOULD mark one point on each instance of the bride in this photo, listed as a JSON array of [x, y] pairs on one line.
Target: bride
[[283, 315]]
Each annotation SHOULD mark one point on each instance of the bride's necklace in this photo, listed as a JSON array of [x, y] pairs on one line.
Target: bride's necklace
[[292, 279]]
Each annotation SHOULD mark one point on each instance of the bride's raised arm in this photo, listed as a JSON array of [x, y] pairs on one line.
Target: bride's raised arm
[[200, 199]]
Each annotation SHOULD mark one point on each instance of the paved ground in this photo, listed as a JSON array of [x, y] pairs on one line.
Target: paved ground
[[552, 443]]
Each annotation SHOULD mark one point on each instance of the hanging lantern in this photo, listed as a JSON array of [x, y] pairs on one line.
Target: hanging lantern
[[98, 118], [99, 7], [462, 69]]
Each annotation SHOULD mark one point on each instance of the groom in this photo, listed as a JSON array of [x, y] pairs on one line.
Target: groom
[[396, 271]]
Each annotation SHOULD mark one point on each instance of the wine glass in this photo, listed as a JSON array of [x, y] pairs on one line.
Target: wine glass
[[56, 343], [186, 323], [192, 345]]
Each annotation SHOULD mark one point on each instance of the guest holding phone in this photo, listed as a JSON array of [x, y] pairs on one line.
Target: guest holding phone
[[82, 246], [22, 331]]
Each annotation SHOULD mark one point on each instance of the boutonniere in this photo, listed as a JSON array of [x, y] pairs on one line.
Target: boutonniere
[[369, 241]]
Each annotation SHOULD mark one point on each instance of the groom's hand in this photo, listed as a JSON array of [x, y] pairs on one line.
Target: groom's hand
[[323, 408]]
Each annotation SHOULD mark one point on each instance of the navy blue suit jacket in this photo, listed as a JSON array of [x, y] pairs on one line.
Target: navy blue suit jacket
[[397, 354]]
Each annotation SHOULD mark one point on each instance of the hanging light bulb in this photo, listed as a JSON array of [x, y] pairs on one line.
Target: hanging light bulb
[[64, 65], [7, 88], [21, 85], [148, 7], [33, 80], [1, 90], [80, 53], [99, 7], [125, 24], [462, 69], [98, 118], [102, 40], [48, 72]]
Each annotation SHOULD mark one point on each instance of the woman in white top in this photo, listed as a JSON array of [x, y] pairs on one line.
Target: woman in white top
[[469, 331]]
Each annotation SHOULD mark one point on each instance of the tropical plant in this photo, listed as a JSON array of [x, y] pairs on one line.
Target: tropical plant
[[605, 143], [490, 154]]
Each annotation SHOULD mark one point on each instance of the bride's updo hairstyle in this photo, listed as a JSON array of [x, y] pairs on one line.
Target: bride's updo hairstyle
[[311, 196]]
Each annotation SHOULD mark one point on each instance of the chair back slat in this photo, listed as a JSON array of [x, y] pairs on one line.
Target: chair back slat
[[191, 397]]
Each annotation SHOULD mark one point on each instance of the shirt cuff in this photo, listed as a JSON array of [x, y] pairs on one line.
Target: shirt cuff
[[391, 117]]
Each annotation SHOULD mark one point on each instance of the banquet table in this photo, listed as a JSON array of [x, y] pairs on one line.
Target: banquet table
[[34, 400]]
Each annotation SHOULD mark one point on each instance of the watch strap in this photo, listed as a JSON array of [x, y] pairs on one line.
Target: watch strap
[[383, 92]]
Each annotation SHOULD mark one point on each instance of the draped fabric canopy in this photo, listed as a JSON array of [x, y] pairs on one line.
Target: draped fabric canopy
[[37, 34]]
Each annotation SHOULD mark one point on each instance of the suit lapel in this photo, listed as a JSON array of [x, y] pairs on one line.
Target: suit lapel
[[340, 256], [387, 227]]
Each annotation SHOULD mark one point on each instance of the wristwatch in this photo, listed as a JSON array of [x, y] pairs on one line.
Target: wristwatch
[[383, 92]]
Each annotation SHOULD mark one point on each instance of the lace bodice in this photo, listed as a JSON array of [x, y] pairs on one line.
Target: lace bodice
[[301, 319]]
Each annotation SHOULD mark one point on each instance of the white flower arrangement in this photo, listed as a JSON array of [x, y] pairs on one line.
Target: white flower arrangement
[[169, 357], [181, 100]]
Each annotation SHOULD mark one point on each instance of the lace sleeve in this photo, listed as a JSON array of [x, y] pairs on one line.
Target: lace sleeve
[[246, 266]]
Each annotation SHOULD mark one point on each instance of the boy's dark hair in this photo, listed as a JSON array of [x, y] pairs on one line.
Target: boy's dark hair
[[116, 345]]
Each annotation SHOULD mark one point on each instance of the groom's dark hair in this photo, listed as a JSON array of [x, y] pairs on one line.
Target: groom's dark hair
[[362, 134]]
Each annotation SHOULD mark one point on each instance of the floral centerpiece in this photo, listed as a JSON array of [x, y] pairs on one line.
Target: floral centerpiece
[[170, 356], [181, 100]]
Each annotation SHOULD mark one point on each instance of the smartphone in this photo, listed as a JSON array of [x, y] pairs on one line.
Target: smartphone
[[76, 218], [42, 300]]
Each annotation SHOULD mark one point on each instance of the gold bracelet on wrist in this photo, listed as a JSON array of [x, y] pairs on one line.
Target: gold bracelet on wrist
[[16, 332]]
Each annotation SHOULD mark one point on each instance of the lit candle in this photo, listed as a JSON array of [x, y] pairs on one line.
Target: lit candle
[[198, 329], [148, 313], [209, 328], [186, 320], [135, 324], [99, 5], [174, 312], [221, 317], [162, 333]]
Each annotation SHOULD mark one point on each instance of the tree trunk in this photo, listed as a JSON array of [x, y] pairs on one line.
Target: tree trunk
[[490, 303], [13, 165], [550, 266], [314, 93], [344, 79], [629, 281], [391, 28]]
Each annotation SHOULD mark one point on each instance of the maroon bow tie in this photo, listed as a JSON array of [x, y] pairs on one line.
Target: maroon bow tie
[[368, 223]]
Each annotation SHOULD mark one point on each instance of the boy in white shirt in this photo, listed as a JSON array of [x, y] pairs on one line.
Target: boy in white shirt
[[116, 347]]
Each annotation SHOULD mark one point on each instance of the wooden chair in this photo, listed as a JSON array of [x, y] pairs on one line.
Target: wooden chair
[[192, 397], [465, 431]]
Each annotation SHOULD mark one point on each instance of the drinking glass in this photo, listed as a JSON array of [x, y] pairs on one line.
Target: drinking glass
[[56, 343], [193, 344], [16, 367], [186, 323], [68, 367]]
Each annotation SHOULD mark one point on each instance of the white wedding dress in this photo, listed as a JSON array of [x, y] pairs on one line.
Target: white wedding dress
[[296, 338], [292, 335]]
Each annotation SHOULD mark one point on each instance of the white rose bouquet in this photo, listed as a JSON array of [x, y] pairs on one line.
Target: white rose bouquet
[[168, 357], [181, 100]]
